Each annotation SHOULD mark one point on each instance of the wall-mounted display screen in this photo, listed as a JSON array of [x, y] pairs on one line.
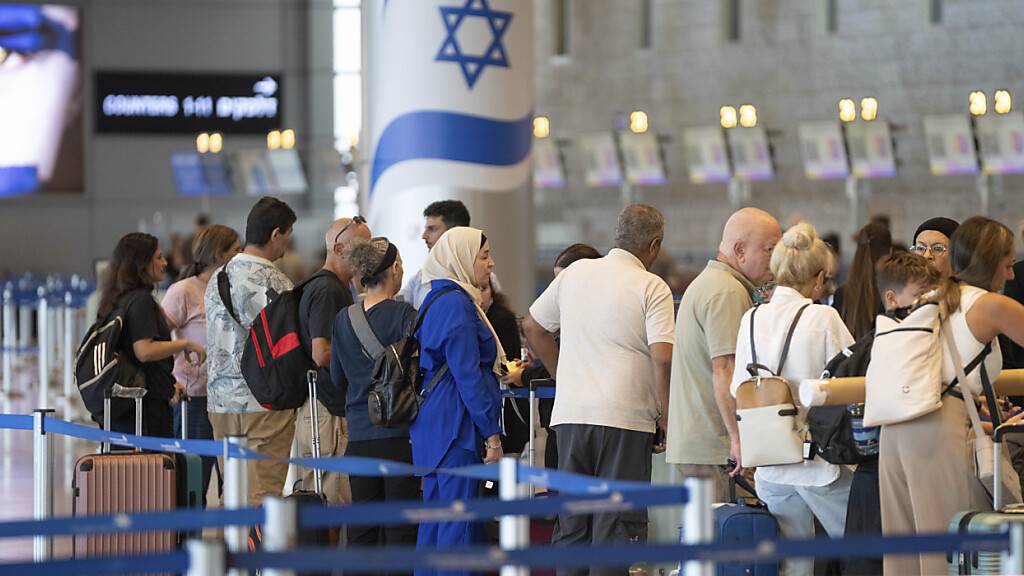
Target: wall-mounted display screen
[[871, 150], [601, 160], [548, 170], [706, 156], [129, 103], [1001, 138], [751, 158], [950, 144], [824, 150], [642, 158], [201, 174], [40, 99]]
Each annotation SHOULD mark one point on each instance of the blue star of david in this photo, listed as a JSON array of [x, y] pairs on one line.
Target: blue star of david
[[473, 64]]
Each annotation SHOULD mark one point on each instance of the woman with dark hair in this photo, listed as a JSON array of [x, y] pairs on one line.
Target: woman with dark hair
[[379, 267], [515, 411], [521, 374], [926, 465], [135, 269], [183, 304], [857, 300]]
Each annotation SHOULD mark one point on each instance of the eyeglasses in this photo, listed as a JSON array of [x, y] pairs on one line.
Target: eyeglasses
[[936, 249], [355, 220]]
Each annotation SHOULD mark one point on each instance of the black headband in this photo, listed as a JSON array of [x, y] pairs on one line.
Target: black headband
[[390, 255]]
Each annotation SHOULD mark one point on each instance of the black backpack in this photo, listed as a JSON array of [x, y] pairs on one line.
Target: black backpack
[[100, 364], [832, 427], [395, 395], [274, 360]]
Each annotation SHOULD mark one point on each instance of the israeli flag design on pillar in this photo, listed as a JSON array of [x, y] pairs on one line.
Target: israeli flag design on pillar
[[448, 106]]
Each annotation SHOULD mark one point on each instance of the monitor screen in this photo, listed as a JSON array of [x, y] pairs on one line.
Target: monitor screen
[[40, 99]]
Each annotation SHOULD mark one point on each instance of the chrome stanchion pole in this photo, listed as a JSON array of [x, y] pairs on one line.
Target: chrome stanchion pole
[[1012, 561], [515, 530], [42, 479], [8, 341], [698, 524], [280, 529], [69, 352], [43, 329], [236, 494], [206, 558]]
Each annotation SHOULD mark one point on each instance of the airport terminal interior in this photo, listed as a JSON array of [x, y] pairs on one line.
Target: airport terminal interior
[[567, 286]]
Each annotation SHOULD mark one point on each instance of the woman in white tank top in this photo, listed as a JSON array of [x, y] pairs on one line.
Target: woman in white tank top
[[926, 466]]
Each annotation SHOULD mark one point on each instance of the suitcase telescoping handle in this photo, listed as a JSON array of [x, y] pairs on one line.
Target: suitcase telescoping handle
[[118, 391], [314, 428], [184, 416]]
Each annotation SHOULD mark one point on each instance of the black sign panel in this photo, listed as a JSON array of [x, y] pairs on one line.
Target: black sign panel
[[187, 103]]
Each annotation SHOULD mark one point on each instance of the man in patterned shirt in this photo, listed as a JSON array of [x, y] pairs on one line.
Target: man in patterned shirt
[[233, 409]]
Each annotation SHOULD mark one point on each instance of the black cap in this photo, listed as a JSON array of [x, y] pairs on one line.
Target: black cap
[[940, 224]]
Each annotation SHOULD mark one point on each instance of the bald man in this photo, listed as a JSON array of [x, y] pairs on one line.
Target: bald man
[[324, 294], [702, 433]]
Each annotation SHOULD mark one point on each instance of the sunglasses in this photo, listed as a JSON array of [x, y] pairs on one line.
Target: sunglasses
[[355, 220]]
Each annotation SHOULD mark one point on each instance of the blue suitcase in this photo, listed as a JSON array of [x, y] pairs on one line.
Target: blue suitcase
[[737, 522]]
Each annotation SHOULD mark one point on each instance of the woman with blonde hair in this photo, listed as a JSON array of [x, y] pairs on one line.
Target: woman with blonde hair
[[460, 356], [926, 465], [797, 493]]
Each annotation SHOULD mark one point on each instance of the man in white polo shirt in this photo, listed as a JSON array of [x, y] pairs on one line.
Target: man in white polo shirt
[[617, 326]]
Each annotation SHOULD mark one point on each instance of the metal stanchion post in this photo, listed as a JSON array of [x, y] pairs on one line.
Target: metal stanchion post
[[533, 430], [43, 329], [236, 494], [280, 529], [8, 341], [698, 524], [24, 326], [515, 530], [42, 479], [69, 353], [1012, 560], [206, 558]]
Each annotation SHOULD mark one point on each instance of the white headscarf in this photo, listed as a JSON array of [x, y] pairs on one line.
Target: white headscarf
[[452, 258]]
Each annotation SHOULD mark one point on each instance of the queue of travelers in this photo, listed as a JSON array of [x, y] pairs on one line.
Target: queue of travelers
[[634, 376]]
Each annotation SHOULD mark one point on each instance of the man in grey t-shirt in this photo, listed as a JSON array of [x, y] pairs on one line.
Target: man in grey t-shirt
[[702, 432]]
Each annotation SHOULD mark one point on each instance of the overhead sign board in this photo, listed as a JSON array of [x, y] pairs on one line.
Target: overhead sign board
[[129, 102], [871, 151]]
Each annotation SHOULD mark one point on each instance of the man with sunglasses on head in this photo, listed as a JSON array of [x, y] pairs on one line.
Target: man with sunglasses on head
[[327, 292]]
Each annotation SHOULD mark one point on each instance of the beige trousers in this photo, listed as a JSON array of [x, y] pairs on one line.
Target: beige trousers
[[333, 441], [717, 474], [926, 475], [270, 433]]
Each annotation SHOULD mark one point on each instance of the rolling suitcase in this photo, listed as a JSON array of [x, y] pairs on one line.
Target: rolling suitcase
[[738, 522], [124, 483], [307, 537], [190, 475], [986, 522]]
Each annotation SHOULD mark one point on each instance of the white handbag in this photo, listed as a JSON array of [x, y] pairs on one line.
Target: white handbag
[[770, 432], [984, 447]]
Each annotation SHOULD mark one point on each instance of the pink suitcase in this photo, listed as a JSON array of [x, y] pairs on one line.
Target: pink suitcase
[[126, 482]]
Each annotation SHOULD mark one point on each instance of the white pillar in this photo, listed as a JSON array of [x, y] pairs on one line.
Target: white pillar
[[449, 128]]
